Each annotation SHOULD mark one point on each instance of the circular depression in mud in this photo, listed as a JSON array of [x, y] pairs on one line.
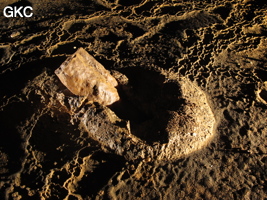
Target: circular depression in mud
[[167, 110], [169, 116]]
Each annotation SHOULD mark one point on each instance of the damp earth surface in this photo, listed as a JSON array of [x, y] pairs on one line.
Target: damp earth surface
[[188, 120]]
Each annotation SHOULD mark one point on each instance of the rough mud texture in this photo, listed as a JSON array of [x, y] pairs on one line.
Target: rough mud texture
[[184, 69]]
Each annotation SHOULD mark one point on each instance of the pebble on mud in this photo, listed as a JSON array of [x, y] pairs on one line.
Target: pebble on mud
[[84, 76]]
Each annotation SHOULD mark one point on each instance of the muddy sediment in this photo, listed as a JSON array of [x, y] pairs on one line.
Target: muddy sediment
[[191, 120]]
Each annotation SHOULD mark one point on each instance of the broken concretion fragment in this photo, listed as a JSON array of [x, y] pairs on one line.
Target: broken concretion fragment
[[85, 76]]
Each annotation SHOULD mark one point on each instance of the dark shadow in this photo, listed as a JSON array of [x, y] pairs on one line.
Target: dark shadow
[[223, 11], [21, 3], [49, 134], [262, 74], [263, 95], [134, 30], [171, 10], [106, 165], [12, 141], [68, 48], [147, 102], [12, 82]]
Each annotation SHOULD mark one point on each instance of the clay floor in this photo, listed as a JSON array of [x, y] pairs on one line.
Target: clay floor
[[191, 122]]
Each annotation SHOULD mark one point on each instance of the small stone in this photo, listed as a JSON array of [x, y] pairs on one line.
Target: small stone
[[84, 76], [15, 34]]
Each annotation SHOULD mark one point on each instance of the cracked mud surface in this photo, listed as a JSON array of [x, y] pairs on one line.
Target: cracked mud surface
[[167, 56]]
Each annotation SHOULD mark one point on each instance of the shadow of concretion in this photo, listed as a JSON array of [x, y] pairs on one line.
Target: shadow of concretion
[[147, 104], [168, 117]]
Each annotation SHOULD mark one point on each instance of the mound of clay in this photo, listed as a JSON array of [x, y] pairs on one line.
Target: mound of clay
[[191, 129], [181, 115]]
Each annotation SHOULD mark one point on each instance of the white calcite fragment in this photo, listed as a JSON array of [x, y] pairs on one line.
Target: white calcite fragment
[[85, 76]]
